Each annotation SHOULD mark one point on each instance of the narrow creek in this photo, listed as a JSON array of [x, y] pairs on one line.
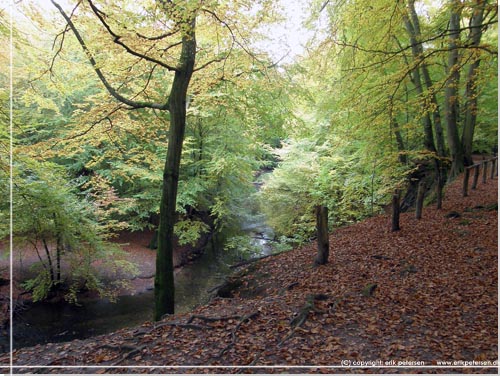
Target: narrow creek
[[49, 322]]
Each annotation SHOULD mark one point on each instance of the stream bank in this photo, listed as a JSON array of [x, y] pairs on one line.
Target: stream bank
[[196, 275], [445, 308]]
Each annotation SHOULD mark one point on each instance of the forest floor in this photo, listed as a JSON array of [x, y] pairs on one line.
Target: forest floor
[[427, 293]]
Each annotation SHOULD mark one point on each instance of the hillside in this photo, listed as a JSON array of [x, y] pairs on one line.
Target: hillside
[[427, 293]]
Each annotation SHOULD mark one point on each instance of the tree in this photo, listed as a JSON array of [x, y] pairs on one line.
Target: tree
[[66, 229], [184, 25], [476, 27], [174, 50], [164, 277], [392, 53]]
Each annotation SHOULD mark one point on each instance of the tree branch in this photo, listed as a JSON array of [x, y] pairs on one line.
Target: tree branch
[[233, 36], [401, 49], [324, 6], [117, 39], [111, 90], [158, 37]]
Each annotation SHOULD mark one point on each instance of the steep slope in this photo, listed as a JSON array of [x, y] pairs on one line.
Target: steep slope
[[427, 293]]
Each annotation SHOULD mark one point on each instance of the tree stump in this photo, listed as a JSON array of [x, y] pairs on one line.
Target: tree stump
[[485, 170], [493, 168]]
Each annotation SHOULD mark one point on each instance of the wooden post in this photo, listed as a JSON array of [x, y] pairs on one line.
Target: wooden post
[[465, 187], [493, 167], [395, 211], [322, 232], [420, 199], [476, 176], [485, 170], [439, 189]]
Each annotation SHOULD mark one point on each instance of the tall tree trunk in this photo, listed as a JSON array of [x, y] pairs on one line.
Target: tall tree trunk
[[164, 277], [471, 88], [451, 92], [413, 30], [394, 125], [412, 25], [322, 231], [436, 113]]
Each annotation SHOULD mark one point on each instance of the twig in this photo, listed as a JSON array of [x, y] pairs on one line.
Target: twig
[[181, 325], [129, 354], [233, 332], [211, 319]]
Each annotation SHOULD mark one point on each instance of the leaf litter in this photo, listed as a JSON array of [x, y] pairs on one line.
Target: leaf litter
[[427, 293]]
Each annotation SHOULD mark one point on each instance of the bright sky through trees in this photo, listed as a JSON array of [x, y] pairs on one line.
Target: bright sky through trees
[[289, 37], [286, 39]]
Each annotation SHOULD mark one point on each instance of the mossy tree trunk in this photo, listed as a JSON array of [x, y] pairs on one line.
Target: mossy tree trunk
[[164, 277], [185, 18], [451, 93], [471, 92]]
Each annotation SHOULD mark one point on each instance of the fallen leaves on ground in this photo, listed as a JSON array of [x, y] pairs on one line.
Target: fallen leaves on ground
[[425, 293]]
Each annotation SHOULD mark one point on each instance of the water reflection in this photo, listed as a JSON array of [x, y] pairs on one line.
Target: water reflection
[[49, 322]]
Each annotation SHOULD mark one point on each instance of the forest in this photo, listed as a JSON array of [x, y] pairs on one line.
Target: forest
[[204, 186]]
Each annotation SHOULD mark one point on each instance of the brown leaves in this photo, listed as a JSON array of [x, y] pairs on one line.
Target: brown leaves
[[436, 299]]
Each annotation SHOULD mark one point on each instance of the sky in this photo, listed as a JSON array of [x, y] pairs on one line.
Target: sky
[[291, 36]]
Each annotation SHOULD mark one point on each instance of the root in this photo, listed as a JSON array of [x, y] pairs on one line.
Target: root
[[188, 325], [132, 352], [211, 319], [302, 315], [233, 332]]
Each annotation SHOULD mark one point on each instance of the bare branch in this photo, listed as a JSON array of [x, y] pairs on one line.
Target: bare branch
[[158, 37], [324, 6]]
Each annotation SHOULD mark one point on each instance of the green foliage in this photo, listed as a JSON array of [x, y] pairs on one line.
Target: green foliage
[[65, 228], [311, 174], [339, 108], [40, 285], [189, 231]]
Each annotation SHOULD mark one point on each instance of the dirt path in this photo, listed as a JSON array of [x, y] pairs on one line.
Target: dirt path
[[427, 293]]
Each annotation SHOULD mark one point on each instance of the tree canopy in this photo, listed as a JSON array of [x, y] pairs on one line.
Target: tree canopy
[[161, 114]]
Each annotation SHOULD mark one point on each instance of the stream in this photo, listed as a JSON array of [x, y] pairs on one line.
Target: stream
[[59, 322]]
